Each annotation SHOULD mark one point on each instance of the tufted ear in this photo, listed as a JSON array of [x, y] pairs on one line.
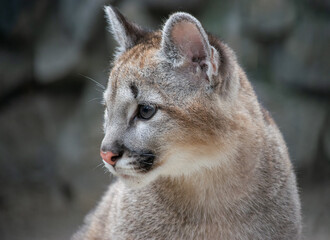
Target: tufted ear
[[126, 33], [184, 40]]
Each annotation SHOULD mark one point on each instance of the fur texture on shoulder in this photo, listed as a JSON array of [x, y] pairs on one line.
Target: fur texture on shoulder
[[195, 155]]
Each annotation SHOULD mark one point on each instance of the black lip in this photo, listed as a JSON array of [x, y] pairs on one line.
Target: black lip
[[146, 162], [144, 159]]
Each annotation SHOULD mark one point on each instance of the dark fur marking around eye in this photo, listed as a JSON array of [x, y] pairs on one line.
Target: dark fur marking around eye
[[134, 90]]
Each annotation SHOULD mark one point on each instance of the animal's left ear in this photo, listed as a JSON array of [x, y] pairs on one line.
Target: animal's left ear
[[126, 33], [184, 41]]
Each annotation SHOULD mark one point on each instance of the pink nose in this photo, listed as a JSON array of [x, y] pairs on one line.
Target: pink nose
[[109, 157]]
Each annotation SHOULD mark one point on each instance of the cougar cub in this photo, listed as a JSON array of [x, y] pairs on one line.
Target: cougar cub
[[195, 154]]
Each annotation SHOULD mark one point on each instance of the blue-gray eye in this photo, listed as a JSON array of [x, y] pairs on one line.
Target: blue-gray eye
[[146, 111]]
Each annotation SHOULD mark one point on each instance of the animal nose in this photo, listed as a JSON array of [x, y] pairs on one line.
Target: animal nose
[[110, 157]]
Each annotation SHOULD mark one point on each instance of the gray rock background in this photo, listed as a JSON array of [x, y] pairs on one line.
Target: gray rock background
[[51, 119]]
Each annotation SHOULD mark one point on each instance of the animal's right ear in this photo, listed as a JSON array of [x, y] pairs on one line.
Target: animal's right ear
[[126, 33]]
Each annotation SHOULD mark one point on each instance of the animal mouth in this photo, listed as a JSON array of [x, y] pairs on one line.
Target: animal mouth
[[144, 161], [131, 163]]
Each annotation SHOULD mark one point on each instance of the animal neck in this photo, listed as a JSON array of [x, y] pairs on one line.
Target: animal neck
[[205, 192]]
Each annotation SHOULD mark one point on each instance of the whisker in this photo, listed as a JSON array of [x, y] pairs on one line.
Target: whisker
[[106, 170], [99, 90], [131, 170], [99, 165], [95, 99], [96, 82], [136, 154], [147, 154], [146, 162]]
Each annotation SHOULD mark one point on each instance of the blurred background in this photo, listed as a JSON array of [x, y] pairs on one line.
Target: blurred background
[[51, 174]]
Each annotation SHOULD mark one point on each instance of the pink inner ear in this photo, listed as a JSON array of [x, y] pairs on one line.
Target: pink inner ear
[[189, 40]]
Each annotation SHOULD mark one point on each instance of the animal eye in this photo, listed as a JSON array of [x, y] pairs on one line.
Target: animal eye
[[146, 111]]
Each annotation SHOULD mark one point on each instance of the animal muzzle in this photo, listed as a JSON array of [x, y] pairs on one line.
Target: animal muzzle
[[110, 157]]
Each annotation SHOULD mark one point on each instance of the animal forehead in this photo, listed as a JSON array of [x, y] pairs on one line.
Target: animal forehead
[[137, 62], [134, 73], [130, 79], [142, 53], [131, 83]]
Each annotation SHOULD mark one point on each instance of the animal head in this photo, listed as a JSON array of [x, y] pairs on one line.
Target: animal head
[[168, 101]]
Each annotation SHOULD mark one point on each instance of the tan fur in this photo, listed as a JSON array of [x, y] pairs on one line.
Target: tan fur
[[222, 168]]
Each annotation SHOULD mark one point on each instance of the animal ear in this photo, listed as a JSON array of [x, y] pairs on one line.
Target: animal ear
[[184, 40], [126, 33]]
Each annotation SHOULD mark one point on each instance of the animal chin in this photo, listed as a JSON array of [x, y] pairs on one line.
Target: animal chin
[[141, 180], [138, 177]]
